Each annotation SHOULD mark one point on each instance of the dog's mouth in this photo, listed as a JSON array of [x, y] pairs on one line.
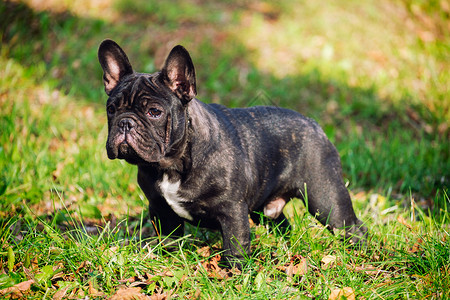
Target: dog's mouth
[[129, 154], [126, 152], [124, 149], [127, 148], [120, 146]]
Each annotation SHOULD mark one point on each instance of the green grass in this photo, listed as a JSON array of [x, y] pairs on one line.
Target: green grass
[[402, 260], [377, 83]]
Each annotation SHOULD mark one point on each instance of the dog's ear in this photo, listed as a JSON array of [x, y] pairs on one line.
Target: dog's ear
[[178, 74], [114, 63]]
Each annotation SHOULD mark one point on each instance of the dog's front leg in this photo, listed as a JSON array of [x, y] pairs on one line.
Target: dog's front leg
[[235, 228], [164, 220]]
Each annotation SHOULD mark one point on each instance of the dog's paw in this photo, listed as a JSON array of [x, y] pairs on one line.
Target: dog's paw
[[231, 262], [356, 235]]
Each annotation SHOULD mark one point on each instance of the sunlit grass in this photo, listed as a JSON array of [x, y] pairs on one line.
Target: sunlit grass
[[361, 45], [405, 258]]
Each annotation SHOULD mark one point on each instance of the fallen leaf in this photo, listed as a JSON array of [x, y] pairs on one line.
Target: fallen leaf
[[197, 293], [60, 293], [93, 291], [328, 261], [34, 263], [344, 293], [297, 267], [289, 269], [18, 289], [126, 293], [58, 275], [204, 251], [159, 296], [367, 269], [416, 246], [214, 271], [59, 169], [301, 268], [127, 280], [83, 265], [236, 271], [402, 221], [166, 273]]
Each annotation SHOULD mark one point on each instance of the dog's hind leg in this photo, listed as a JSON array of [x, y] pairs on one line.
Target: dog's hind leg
[[328, 198]]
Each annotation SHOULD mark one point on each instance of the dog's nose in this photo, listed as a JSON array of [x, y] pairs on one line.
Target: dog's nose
[[126, 124]]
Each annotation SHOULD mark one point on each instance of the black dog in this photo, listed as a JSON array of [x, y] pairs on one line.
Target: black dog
[[215, 165]]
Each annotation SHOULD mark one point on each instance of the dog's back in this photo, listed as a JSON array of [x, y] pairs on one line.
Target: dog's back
[[275, 146]]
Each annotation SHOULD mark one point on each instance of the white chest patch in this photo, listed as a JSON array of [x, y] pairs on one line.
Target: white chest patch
[[170, 193]]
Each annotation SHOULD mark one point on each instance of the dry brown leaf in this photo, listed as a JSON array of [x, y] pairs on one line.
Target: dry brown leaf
[[126, 293], [60, 293], [416, 246], [59, 275], [301, 268], [402, 221], [297, 267], [93, 291], [18, 289], [282, 268], [127, 280], [145, 279], [34, 263], [82, 266], [367, 269], [328, 261], [159, 296], [166, 273], [198, 293], [236, 271], [344, 293], [204, 251], [289, 270], [80, 293], [214, 271], [59, 169]]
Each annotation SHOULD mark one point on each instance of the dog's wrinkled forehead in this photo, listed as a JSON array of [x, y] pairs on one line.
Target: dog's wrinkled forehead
[[138, 86]]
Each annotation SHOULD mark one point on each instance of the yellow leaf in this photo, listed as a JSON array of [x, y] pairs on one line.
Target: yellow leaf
[[328, 261], [11, 259], [344, 293]]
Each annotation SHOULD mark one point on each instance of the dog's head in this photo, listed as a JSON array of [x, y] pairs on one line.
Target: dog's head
[[147, 118]]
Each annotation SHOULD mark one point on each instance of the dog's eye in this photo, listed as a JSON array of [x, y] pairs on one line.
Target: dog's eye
[[111, 110], [154, 112]]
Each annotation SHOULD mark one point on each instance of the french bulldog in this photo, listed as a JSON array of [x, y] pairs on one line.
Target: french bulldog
[[214, 166]]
